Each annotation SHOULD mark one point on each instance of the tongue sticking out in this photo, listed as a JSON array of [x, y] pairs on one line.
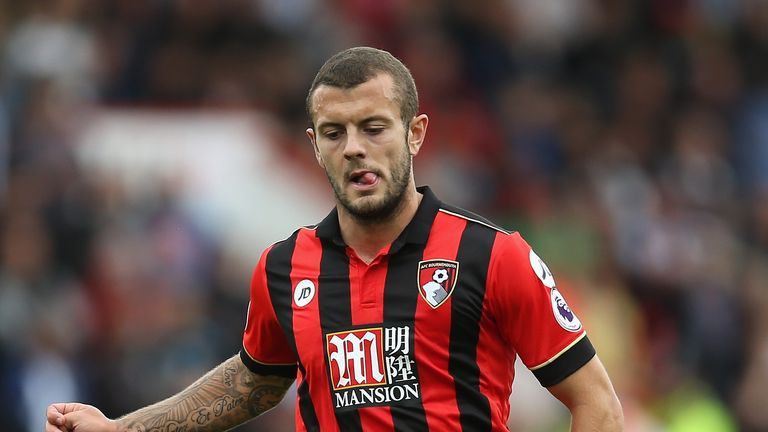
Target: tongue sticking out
[[367, 178]]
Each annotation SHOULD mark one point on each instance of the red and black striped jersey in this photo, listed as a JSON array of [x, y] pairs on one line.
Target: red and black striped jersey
[[424, 338]]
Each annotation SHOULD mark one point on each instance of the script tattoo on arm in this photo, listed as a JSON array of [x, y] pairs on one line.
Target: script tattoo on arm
[[223, 398]]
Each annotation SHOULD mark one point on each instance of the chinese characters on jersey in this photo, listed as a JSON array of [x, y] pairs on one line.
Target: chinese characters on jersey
[[372, 366]]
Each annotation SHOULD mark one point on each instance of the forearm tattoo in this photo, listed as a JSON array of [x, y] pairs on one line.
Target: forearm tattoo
[[225, 397]]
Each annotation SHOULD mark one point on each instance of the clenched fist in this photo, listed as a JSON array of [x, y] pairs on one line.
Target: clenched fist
[[76, 417]]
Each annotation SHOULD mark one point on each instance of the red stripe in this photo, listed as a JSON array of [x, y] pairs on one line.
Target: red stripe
[[300, 426], [367, 296], [432, 341], [307, 331], [376, 419]]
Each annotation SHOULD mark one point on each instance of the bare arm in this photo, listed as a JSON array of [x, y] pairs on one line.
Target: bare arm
[[225, 397], [589, 395]]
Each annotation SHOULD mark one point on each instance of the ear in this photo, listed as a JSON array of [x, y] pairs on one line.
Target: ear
[[313, 139], [417, 131]]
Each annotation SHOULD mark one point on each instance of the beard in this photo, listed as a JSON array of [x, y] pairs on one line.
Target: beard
[[372, 210]]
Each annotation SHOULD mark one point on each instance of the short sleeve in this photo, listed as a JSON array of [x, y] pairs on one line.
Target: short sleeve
[[533, 315], [265, 348]]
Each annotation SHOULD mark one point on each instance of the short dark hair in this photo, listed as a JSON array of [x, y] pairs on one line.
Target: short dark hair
[[354, 66]]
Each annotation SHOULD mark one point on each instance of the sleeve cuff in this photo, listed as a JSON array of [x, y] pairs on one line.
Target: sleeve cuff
[[283, 370], [566, 363]]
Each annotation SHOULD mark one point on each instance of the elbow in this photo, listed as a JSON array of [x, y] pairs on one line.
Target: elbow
[[606, 415], [614, 415]]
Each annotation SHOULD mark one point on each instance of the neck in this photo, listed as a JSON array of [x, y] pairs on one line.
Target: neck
[[368, 238]]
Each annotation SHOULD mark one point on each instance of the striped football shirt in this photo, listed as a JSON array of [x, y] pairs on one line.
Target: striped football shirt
[[423, 338]]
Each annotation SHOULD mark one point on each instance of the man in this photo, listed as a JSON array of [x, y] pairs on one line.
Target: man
[[396, 312]]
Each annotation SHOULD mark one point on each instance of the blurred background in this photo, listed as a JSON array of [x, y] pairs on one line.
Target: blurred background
[[150, 149]]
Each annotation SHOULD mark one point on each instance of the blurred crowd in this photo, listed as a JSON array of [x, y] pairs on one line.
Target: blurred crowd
[[627, 140]]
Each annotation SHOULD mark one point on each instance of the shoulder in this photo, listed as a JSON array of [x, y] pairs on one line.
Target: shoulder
[[480, 234], [508, 247], [282, 251], [472, 219], [505, 242]]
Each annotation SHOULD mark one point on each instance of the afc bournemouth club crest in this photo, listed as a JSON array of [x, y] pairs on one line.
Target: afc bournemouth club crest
[[437, 278]]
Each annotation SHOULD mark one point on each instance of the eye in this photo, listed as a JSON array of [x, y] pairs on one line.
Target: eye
[[374, 130], [333, 134]]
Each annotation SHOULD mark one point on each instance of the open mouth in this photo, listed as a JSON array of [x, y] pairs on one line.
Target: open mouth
[[363, 178]]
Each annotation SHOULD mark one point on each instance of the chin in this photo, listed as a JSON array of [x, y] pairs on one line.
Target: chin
[[373, 209], [361, 199], [367, 204]]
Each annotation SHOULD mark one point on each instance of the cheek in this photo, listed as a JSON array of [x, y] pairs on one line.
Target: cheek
[[330, 163], [324, 155]]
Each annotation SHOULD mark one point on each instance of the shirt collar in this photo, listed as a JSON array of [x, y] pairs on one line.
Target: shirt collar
[[417, 230]]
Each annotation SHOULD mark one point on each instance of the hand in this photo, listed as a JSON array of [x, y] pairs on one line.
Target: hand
[[76, 417]]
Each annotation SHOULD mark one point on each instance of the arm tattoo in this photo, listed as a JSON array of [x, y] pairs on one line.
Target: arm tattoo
[[223, 398]]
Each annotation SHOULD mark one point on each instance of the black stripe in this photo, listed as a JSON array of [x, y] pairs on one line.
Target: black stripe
[[306, 408], [474, 256], [569, 362], [335, 307], [401, 295], [278, 268]]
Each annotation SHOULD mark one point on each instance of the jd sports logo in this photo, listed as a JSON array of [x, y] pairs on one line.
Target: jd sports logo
[[304, 292]]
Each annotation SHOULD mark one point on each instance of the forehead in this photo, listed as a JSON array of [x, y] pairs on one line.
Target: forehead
[[375, 96]]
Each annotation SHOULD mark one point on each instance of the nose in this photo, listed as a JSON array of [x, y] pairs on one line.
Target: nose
[[354, 147]]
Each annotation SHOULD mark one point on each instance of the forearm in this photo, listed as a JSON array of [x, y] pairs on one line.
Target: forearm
[[225, 397]]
